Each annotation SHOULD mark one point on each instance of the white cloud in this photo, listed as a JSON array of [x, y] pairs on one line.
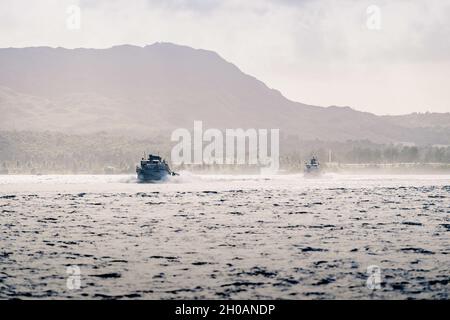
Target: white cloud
[[319, 52]]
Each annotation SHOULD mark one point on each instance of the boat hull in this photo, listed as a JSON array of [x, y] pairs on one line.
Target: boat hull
[[312, 172], [152, 175]]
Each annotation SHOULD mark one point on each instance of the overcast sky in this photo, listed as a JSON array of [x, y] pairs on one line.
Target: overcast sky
[[321, 52]]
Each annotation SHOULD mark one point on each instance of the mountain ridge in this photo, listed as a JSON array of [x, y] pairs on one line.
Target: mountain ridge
[[159, 87]]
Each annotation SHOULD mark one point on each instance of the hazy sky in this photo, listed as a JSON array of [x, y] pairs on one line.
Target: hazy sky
[[321, 52]]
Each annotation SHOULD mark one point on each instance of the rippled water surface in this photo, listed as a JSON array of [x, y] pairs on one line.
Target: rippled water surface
[[216, 237]]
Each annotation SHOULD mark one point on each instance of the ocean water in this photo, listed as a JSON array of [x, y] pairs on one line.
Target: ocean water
[[231, 237]]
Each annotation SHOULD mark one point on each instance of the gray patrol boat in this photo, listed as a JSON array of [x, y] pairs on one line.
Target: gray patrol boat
[[312, 168], [153, 169]]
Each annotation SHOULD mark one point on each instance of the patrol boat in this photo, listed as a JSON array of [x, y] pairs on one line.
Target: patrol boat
[[153, 169], [312, 168]]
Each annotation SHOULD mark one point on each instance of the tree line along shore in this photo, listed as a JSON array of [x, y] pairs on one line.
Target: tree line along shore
[[103, 153]]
